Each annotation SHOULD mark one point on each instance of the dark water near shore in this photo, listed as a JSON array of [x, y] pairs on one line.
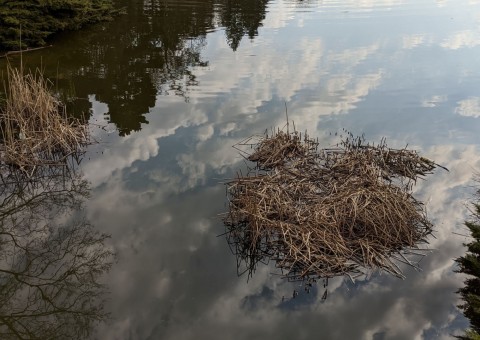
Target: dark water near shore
[[172, 85]]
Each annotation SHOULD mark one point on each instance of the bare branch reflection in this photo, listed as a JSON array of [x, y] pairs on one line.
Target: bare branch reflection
[[51, 257]]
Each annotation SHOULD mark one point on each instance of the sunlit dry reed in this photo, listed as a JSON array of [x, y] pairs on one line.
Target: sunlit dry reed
[[326, 212], [35, 129]]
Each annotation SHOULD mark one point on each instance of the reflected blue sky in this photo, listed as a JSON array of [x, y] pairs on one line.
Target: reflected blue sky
[[404, 70]]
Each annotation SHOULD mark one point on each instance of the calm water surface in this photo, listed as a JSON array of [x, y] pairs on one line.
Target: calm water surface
[[172, 85]]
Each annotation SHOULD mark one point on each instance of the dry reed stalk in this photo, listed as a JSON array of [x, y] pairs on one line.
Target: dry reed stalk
[[328, 212], [34, 127]]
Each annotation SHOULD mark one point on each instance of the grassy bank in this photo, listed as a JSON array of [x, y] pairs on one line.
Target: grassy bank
[[32, 22]]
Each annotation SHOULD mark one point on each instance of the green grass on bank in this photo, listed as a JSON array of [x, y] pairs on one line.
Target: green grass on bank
[[31, 22]]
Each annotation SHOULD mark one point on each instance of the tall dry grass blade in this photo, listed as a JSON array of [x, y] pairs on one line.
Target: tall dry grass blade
[[35, 129]]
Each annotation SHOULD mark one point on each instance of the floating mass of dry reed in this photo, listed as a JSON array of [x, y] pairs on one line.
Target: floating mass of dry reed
[[34, 127], [326, 212]]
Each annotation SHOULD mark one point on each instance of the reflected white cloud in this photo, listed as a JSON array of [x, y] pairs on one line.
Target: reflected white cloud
[[192, 169], [462, 39], [372, 3], [283, 78], [280, 14], [469, 107], [205, 132], [176, 279], [364, 4], [119, 153], [434, 101], [354, 90], [178, 240], [353, 57], [412, 41]]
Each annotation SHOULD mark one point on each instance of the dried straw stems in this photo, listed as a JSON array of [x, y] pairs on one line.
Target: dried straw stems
[[328, 212], [34, 127]]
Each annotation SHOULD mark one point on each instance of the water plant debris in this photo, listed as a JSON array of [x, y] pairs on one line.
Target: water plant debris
[[321, 213]]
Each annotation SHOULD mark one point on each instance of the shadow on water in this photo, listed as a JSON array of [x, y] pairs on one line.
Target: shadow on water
[[152, 51], [51, 257]]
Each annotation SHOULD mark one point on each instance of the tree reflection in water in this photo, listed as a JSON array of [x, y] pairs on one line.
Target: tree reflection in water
[[241, 18], [51, 258], [154, 50]]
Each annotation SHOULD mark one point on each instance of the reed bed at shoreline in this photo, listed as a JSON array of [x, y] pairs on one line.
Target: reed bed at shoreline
[[34, 127], [326, 212]]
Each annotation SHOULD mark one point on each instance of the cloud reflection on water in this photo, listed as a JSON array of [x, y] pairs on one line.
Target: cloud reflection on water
[[179, 257], [175, 279]]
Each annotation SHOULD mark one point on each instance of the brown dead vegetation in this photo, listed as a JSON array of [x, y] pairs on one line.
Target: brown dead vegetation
[[34, 127], [326, 212]]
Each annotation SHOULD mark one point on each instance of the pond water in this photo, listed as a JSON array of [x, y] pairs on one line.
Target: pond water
[[172, 85]]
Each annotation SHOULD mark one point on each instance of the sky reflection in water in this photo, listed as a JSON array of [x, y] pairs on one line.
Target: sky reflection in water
[[174, 96], [403, 70]]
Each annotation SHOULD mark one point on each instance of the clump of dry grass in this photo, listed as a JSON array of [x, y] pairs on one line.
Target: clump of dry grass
[[34, 127], [326, 212]]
